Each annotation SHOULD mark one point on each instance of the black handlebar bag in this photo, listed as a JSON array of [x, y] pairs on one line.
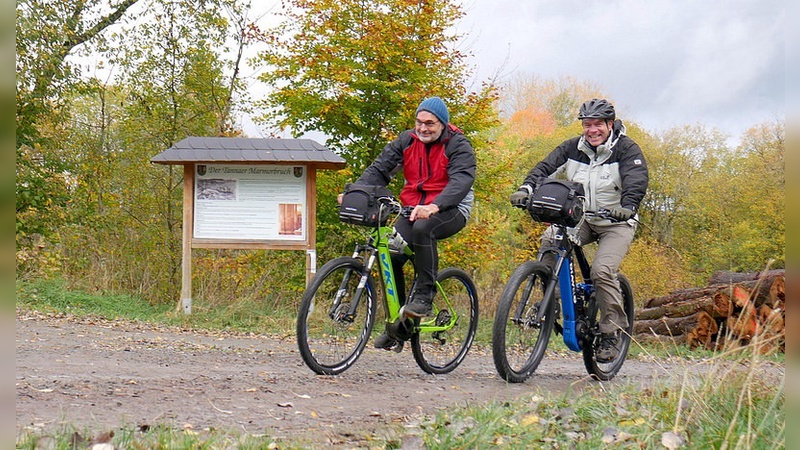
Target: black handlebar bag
[[360, 205], [557, 201]]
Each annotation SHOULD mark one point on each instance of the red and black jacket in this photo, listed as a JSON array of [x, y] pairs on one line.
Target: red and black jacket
[[441, 172]]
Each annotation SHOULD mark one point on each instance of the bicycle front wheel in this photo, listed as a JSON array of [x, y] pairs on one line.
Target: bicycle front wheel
[[607, 371], [455, 321], [336, 316], [518, 340]]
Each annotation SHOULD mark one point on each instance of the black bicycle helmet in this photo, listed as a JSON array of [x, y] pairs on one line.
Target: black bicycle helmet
[[597, 108]]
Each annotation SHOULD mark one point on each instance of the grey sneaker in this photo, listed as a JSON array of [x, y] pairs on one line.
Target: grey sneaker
[[608, 348], [384, 342]]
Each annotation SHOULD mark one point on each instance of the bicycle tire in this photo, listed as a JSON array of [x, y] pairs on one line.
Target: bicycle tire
[[329, 340], [442, 351], [518, 346], [607, 371]]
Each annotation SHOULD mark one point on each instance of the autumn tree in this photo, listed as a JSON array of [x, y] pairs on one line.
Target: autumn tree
[[172, 81], [47, 33], [356, 71], [171, 75]]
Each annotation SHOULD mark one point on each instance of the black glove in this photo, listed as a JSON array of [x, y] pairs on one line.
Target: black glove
[[621, 214], [519, 199]]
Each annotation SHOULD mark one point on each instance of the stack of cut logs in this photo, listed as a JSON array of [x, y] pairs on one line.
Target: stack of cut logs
[[734, 309]]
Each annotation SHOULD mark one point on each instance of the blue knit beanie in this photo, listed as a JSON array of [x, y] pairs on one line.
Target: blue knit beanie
[[435, 106]]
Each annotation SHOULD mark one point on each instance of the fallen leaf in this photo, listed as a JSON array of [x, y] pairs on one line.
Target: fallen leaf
[[103, 437], [529, 419], [623, 436], [609, 435], [672, 440], [627, 423], [102, 446]]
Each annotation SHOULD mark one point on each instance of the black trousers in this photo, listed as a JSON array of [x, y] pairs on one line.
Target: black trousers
[[422, 235]]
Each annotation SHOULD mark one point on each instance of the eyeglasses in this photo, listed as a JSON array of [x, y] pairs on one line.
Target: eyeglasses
[[427, 124]]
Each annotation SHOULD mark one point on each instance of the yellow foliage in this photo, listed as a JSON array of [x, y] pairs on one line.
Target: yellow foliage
[[654, 269]]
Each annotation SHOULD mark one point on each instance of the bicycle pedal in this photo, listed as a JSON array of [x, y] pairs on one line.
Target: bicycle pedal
[[397, 348], [559, 329]]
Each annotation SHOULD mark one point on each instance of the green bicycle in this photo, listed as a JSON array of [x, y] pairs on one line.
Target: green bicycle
[[338, 309]]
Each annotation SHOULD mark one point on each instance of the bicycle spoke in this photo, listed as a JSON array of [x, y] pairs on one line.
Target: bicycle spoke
[[332, 337], [444, 340]]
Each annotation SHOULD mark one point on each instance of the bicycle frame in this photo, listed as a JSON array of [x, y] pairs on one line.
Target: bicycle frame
[[377, 248], [573, 294]]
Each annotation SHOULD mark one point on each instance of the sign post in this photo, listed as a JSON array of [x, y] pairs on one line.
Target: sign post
[[248, 194]]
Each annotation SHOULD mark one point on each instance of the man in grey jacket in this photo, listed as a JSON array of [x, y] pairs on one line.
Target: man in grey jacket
[[613, 171]]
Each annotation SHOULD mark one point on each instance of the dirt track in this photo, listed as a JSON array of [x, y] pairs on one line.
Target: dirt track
[[103, 375]]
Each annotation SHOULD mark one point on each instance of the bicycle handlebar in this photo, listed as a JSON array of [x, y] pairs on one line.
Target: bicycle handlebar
[[606, 214], [600, 213], [396, 207]]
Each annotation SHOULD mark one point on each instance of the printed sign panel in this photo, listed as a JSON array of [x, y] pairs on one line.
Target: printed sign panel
[[250, 202]]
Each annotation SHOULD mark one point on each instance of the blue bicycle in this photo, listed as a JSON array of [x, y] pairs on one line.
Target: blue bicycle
[[528, 313]]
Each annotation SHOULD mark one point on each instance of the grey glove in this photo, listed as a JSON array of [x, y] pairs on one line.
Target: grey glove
[[519, 199], [621, 214]]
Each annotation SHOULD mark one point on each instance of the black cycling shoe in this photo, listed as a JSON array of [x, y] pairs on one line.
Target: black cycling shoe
[[416, 309], [384, 342], [419, 305], [607, 349]]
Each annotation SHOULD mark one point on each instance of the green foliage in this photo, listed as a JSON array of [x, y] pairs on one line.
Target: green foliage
[[46, 33], [160, 436], [55, 296], [726, 212], [356, 71]]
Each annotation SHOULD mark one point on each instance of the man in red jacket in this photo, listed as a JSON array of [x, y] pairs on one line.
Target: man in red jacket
[[438, 164]]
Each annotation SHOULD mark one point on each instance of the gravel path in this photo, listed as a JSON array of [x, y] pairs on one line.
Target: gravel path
[[102, 375]]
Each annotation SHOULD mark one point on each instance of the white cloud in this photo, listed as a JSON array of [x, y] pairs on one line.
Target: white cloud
[[716, 62]]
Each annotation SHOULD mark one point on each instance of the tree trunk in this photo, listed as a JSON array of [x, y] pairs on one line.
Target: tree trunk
[[737, 277], [723, 307], [677, 309], [749, 309], [702, 335], [667, 326], [681, 295]]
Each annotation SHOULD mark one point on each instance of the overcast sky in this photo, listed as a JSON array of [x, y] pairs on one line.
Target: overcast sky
[[663, 63]]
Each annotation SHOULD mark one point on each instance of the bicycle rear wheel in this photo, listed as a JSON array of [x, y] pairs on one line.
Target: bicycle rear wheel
[[518, 341], [331, 332], [455, 306], [607, 371]]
